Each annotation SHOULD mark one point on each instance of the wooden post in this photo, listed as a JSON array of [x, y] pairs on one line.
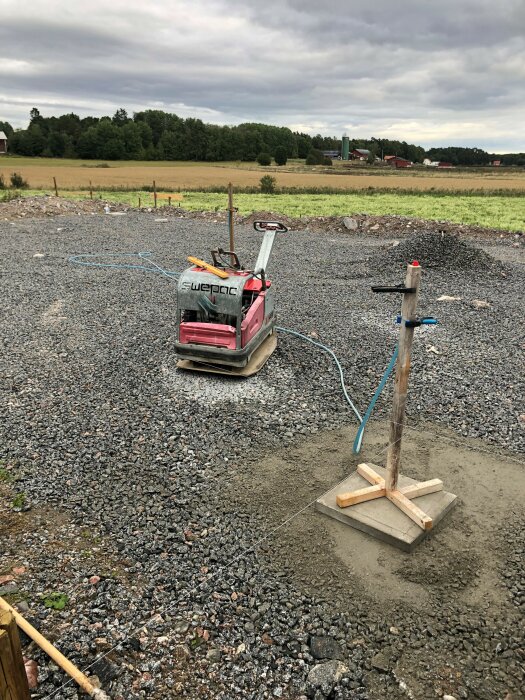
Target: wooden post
[[90, 190], [169, 201], [230, 217], [13, 678], [83, 681], [56, 188], [139, 202], [406, 335], [155, 194]]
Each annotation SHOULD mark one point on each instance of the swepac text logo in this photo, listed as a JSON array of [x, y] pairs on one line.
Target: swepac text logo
[[212, 288]]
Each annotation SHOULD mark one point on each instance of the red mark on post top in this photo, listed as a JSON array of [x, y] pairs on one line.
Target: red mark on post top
[[415, 263]]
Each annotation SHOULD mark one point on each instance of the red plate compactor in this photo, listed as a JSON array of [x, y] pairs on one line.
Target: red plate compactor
[[226, 314]]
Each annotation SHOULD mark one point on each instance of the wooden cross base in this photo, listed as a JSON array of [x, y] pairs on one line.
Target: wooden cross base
[[399, 497]]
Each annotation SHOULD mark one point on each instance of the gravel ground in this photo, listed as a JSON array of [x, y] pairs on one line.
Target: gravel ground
[[124, 462]]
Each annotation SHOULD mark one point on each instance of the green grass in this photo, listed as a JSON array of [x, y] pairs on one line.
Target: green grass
[[491, 211]]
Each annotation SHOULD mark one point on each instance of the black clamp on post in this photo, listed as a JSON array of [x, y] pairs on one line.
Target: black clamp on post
[[400, 288], [425, 321]]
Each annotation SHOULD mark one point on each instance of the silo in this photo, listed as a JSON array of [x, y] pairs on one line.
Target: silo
[[345, 149]]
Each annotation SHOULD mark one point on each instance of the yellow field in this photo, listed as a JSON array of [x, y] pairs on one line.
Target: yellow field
[[73, 174]]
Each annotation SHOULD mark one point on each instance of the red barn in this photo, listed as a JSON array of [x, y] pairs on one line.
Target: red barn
[[3, 142], [445, 165], [397, 162], [360, 153]]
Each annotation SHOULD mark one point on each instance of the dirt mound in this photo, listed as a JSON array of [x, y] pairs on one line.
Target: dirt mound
[[45, 206], [441, 250], [289, 222]]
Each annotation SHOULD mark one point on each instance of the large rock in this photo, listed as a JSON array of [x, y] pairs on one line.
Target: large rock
[[350, 224], [323, 677], [325, 648]]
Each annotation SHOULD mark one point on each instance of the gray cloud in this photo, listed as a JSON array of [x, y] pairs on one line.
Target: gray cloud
[[432, 73]]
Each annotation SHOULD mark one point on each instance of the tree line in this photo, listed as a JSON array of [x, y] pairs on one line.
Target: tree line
[[158, 135]]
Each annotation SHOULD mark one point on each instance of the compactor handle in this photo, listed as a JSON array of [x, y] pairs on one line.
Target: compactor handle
[[262, 226]]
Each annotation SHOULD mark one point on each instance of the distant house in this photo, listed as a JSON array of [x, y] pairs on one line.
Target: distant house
[[496, 163], [332, 154], [398, 162], [427, 161], [3, 142], [360, 153], [388, 158]]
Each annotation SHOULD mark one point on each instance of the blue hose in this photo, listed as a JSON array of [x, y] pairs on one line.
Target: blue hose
[[359, 437], [144, 256], [334, 357]]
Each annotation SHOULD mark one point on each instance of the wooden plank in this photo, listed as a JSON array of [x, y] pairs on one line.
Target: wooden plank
[[8, 624], [367, 494], [9, 627], [422, 489], [397, 420], [366, 471], [410, 509], [172, 195], [59, 658], [9, 682]]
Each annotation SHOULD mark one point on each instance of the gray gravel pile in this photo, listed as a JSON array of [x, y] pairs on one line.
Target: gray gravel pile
[[440, 250], [124, 463]]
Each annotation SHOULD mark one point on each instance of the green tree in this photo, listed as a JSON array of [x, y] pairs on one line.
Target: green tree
[[264, 158], [120, 117], [315, 157], [131, 136], [281, 156], [7, 129], [267, 184], [87, 144]]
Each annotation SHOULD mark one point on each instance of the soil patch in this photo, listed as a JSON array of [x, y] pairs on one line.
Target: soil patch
[[461, 558]]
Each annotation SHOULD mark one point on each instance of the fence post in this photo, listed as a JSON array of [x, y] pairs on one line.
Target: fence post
[[56, 188], [13, 678], [90, 190], [155, 194]]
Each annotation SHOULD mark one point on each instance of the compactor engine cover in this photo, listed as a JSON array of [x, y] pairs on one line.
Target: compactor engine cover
[[224, 312]]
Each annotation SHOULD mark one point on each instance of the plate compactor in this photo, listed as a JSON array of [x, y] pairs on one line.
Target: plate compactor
[[226, 314]]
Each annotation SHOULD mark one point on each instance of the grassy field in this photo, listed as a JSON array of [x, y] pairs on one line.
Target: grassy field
[[480, 210], [486, 197], [130, 175]]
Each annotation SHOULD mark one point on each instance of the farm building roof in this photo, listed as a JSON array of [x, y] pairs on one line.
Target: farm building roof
[[363, 151], [3, 136]]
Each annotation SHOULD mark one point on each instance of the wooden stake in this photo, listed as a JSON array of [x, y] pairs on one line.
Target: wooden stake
[[90, 190], [401, 498], [155, 194], [13, 678], [169, 201], [406, 335], [139, 202], [230, 217], [59, 658], [56, 188]]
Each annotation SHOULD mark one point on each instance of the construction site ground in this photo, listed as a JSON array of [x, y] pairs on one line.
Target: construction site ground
[[174, 512]]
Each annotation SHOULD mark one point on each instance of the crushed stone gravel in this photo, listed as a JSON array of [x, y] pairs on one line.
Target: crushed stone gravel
[[122, 461]]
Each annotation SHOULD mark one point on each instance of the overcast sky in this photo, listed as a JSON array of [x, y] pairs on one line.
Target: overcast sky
[[440, 72]]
